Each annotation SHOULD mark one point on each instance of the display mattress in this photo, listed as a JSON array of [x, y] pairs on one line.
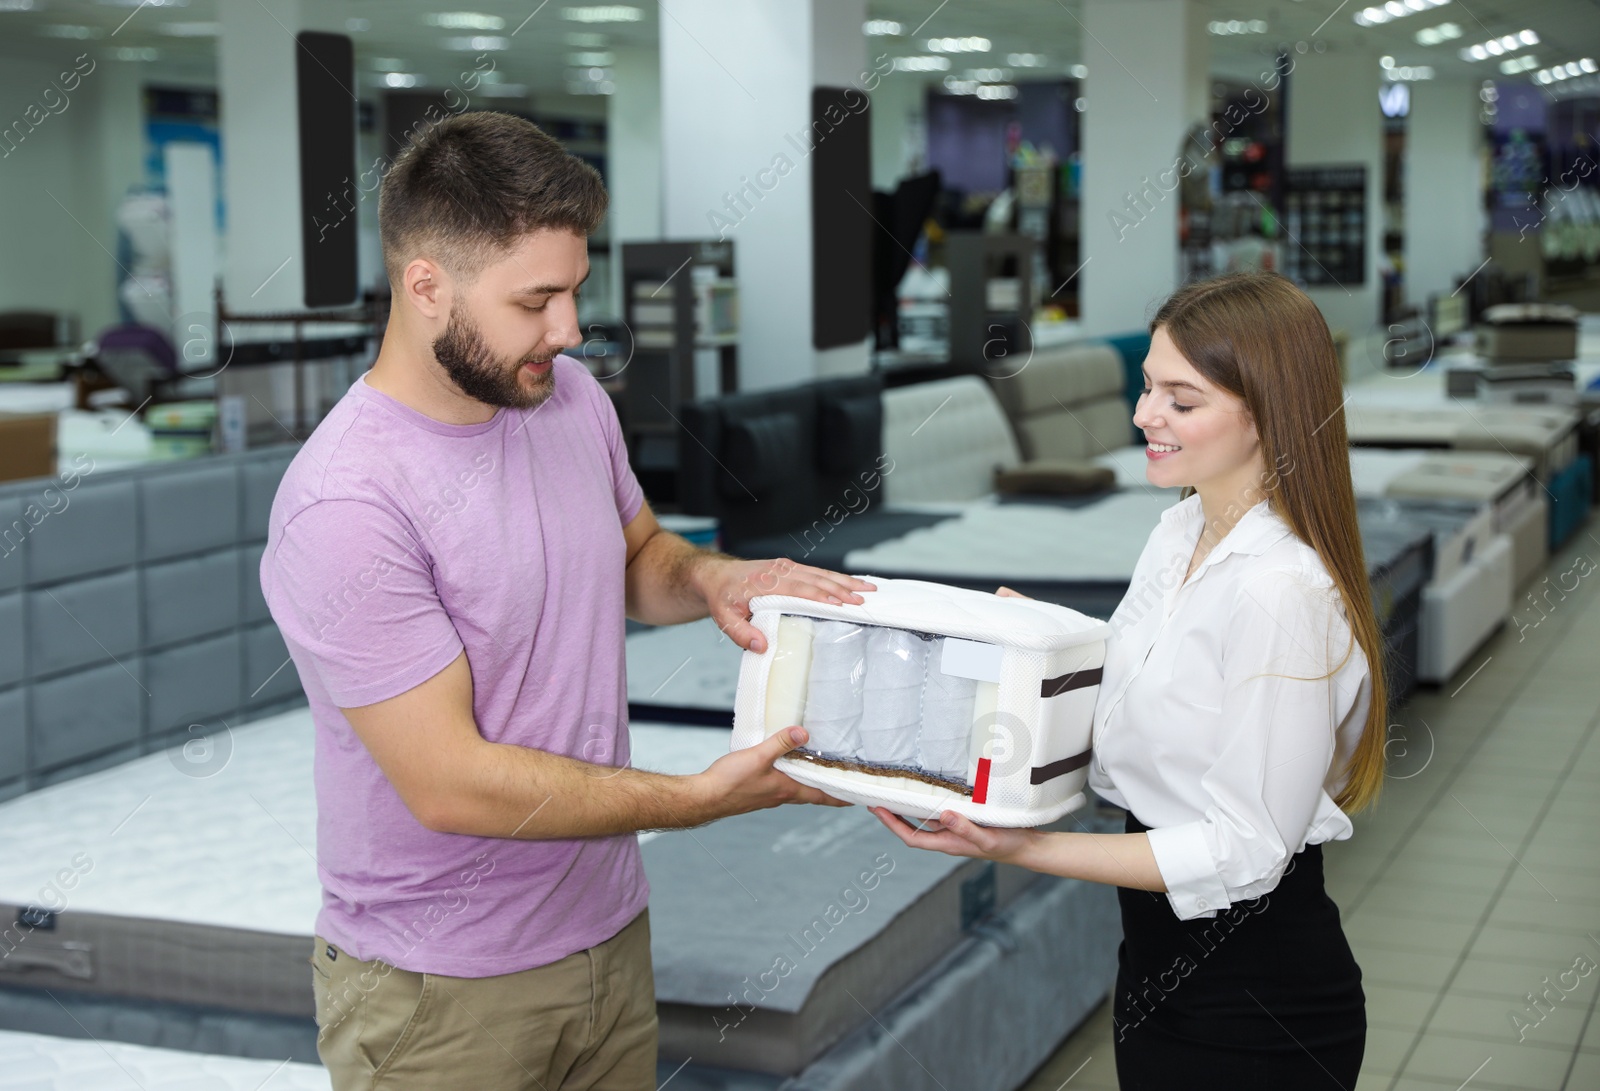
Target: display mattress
[[39, 1062], [1548, 435], [202, 890], [191, 878], [1503, 482], [1091, 551]]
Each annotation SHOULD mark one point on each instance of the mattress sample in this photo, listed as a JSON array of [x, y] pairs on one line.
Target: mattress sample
[[927, 698], [144, 880], [38, 1062]]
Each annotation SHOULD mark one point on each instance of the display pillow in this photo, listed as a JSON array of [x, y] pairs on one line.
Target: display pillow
[[928, 698]]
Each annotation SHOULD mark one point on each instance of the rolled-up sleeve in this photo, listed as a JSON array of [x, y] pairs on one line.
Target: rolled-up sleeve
[[1291, 676]]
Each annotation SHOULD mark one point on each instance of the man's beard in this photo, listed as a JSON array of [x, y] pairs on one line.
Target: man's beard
[[477, 373]]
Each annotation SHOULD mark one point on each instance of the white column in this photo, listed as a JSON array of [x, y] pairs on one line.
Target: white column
[[118, 140], [899, 127], [1147, 62], [736, 83], [1443, 187], [633, 155], [1334, 119]]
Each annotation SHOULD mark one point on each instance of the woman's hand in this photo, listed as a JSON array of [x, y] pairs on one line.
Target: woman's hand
[[956, 835], [1007, 593]]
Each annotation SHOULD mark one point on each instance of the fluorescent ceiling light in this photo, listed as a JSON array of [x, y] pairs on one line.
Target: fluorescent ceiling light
[[1026, 60], [1080, 71], [18, 5], [478, 43], [70, 30], [989, 75], [605, 13], [357, 26], [133, 53], [1524, 63], [400, 79], [922, 64], [1237, 26], [1566, 71], [464, 20], [591, 60], [959, 45], [1497, 47], [997, 91], [190, 30], [1444, 32], [1394, 9], [879, 28], [1409, 73]]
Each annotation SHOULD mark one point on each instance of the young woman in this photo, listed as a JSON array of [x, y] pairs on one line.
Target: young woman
[[1241, 714]]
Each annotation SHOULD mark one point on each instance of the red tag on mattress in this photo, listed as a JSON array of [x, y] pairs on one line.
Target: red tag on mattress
[[980, 789]]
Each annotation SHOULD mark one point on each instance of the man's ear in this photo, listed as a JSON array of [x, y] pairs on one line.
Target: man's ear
[[426, 288]]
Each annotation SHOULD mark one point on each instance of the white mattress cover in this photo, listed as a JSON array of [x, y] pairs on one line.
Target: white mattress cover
[[233, 850], [39, 1062], [1486, 475], [683, 666]]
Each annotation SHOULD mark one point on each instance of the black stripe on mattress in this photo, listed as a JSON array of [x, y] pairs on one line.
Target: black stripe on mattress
[[1042, 773], [1055, 687]]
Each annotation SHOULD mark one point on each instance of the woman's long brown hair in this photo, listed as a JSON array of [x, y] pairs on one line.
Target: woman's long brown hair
[[1261, 339]]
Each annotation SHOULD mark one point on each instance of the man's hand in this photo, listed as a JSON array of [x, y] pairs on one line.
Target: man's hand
[[728, 585], [746, 781]]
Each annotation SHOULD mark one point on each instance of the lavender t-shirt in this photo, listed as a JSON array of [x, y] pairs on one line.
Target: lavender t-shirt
[[396, 542]]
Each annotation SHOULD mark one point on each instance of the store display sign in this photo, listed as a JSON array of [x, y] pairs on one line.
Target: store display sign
[[1325, 218]]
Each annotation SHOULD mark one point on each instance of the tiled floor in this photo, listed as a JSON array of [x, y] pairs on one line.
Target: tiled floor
[[1471, 894]]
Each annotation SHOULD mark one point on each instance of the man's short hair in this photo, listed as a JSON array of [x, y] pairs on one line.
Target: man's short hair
[[469, 187]]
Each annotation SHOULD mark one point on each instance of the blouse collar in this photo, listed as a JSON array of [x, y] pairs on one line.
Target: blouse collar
[[1257, 530]]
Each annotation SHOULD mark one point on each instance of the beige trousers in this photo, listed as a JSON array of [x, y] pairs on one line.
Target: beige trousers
[[585, 1022]]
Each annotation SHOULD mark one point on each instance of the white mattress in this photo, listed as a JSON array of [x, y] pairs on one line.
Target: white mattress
[[37, 1062], [683, 666], [1484, 476], [1460, 612], [1099, 542], [232, 850]]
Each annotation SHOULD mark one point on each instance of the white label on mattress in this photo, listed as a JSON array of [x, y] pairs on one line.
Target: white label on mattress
[[971, 659]]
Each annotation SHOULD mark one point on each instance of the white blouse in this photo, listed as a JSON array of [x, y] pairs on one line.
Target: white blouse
[[1215, 725]]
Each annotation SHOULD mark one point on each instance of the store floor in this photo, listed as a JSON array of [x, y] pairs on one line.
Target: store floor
[[1471, 894]]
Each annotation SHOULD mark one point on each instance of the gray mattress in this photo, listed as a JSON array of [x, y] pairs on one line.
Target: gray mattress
[[775, 932]]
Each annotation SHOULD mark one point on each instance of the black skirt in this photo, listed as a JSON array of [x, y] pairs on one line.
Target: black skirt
[[1265, 995]]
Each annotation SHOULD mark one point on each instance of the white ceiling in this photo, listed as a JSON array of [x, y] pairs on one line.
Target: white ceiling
[[540, 51]]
